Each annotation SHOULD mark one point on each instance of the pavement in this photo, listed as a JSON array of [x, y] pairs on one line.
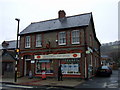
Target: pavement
[[37, 81]]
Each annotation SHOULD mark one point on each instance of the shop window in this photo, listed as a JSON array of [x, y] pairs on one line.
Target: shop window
[[71, 66], [75, 37], [44, 65], [38, 40], [27, 42], [62, 38]]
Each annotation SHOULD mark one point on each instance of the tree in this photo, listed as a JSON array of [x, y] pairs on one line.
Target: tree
[[115, 56]]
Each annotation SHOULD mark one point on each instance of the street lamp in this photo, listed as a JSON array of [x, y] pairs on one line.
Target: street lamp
[[17, 49]]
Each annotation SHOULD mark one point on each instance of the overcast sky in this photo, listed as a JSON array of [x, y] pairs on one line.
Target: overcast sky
[[105, 15]]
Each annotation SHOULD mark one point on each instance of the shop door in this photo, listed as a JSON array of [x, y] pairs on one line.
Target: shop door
[[28, 67]]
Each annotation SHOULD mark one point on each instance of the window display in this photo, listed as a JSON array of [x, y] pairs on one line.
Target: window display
[[44, 65], [71, 66]]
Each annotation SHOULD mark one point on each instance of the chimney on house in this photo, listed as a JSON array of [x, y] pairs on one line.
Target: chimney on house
[[61, 14]]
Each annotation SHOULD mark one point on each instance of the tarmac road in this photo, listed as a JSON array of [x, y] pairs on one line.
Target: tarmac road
[[96, 82], [21, 87], [103, 82]]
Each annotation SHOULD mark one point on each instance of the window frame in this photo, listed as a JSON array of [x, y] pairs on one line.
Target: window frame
[[27, 42], [62, 38], [38, 40], [75, 36]]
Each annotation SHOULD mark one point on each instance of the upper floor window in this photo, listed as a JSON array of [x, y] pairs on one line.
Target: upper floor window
[[75, 37], [62, 38], [27, 42], [38, 40]]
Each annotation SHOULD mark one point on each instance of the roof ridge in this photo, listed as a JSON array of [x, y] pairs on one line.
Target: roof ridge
[[11, 41], [58, 18]]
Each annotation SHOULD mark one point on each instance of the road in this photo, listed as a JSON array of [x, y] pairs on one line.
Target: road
[[103, 82], [8, 86], [96, 82]]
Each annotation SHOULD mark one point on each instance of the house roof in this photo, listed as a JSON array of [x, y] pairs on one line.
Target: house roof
[[8, 44], [59, 23]]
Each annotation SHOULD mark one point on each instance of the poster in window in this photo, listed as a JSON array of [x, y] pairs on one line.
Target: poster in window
[[43, 66], [72, 67], [76, 66], [65, 68]]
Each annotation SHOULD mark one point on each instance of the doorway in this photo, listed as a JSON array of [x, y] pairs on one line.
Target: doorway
[[27, 67]]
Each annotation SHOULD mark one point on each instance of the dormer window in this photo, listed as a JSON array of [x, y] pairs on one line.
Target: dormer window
[[75, 37], [27, 42], [62, 38], [38, 40]]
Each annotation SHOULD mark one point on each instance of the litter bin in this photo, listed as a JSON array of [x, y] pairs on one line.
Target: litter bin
[[43, 75]]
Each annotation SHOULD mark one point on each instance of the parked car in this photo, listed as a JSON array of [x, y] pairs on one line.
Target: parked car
[[104, 71]]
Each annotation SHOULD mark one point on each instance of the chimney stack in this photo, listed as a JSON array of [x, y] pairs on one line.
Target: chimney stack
[[61, 14]]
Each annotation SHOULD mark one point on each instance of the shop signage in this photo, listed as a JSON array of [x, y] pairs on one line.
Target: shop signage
[[44, 60], [58, 56], [89, 50]]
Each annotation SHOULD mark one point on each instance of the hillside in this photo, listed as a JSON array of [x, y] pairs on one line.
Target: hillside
[[112, 50]]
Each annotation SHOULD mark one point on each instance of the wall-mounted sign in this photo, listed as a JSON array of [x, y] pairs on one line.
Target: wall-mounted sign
[[58, 56], [89, 50]]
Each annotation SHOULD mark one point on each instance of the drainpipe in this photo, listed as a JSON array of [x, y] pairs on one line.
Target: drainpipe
[[85, 49]]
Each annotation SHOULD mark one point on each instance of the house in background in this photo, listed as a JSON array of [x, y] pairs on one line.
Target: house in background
[[8, 58], [105, 60], [67, 40]]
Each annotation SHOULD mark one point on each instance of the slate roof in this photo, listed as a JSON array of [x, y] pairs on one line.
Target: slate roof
[[11, 45], [59, 23]]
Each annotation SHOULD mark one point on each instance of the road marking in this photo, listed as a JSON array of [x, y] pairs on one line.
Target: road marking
[[18, 86], [113, 85], [105, 85]]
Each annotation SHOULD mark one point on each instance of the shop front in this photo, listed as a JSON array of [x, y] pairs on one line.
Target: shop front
[[71, 63]]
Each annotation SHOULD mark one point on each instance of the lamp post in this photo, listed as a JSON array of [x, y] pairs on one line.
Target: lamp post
[[17, 49]]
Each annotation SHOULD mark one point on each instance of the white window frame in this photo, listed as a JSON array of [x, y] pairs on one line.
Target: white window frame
[[27, 42], [62, 38], [75, 36], [38, 40]]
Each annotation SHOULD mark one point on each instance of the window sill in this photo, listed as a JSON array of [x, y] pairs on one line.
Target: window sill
[[45, 73], [76, 43], [62, 44], [38, 46], [71, 73], [27, 47]]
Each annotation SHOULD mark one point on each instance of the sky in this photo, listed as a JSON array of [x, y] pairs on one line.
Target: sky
[[105, 15]]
